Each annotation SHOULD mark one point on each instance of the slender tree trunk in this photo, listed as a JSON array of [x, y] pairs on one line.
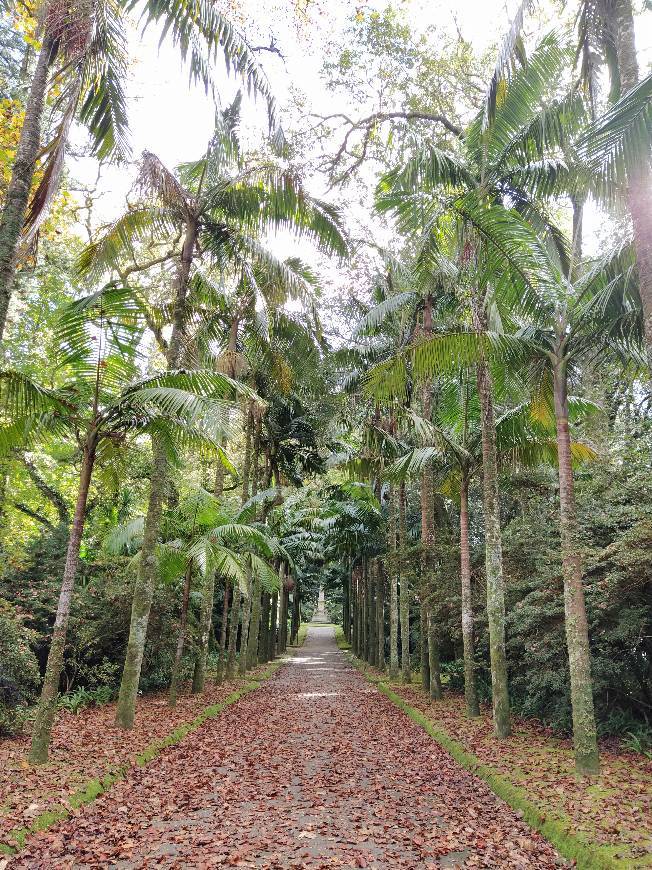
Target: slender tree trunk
[[380, 615], [205, 619], [47, 705], [371, 612], [406, 674], [231, 660], [346, 616], [493, 543], [393, 587], [296, 615], [147, 571], [22, 176], [354, 612], [433, 655], [577, 631], [424, 656], [263, 644], [470, 685], [143, 590], [221, 663], [181, 639], [639, 187], [273, 644], [364, 610], [254, 628], [244, 630]]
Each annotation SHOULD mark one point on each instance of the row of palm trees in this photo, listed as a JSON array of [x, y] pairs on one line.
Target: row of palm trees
[[480, 336], [201, 236]]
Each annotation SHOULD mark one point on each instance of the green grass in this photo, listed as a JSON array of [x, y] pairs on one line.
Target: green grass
[[95, 787], [555, 829]]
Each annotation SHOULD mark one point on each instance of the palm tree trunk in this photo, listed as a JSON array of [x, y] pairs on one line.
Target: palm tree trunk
[[244, 631], [380, 615], [254, 629], [640, 179], [346, 606], [493, 557], [273, 645], [493, 539], [433, 656], [221, 663], [470, 685], [371, 612], [47, 705], [205, 619], [233, 633], [424, 637], [406, 675], [147, 571], [393, 586], [143, 590], [263, 644], [181, 639], [585, 742], [296, 615], [354, 612], [22, 176]]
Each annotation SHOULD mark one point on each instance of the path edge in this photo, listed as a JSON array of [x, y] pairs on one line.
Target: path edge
[[93, 788], [568, 845]]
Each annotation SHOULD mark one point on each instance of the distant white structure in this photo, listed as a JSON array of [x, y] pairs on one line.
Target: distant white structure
[[320, 614]]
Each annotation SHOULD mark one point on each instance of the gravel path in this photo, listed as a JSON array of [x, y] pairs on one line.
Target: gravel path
[[315, 769]]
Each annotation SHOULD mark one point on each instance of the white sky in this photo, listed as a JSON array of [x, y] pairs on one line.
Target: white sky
[[176, 121]]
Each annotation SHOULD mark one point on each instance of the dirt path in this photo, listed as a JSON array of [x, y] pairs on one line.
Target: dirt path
[[314, 769]]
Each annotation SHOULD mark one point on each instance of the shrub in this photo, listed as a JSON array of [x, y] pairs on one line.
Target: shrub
[[19, 673]]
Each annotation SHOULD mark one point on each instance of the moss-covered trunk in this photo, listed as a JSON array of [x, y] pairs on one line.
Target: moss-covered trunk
[[47, 705], [424, 658], [273, 628], [205, 620], [493, 541], [143, 590], [263, 644], [234, 619], [181, 639], [224, 624], [296, 615], [434, 673], [254, 628], [22, 175], [372, 653], [147, 570], [577, 631], [406, 673], [380, 615], [244, 630], [393, 585], [470, 684]]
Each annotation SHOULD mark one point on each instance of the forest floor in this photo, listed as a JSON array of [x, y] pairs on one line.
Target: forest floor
[[316, 768], [89, 750], [612, 812]]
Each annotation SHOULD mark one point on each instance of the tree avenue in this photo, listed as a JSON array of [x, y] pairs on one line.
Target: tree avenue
[[378, 351]]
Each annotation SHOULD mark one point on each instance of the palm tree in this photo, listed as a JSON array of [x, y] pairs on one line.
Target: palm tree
[[453, 444], [199, 537], [504, 158], [618, 144], [222, 209], [85, 47], [101, 400]]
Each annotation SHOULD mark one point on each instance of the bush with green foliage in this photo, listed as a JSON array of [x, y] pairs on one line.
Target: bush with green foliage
[[19, 673]]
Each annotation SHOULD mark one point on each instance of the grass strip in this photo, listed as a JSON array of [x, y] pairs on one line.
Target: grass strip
[[96, 787], [555, 830]]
